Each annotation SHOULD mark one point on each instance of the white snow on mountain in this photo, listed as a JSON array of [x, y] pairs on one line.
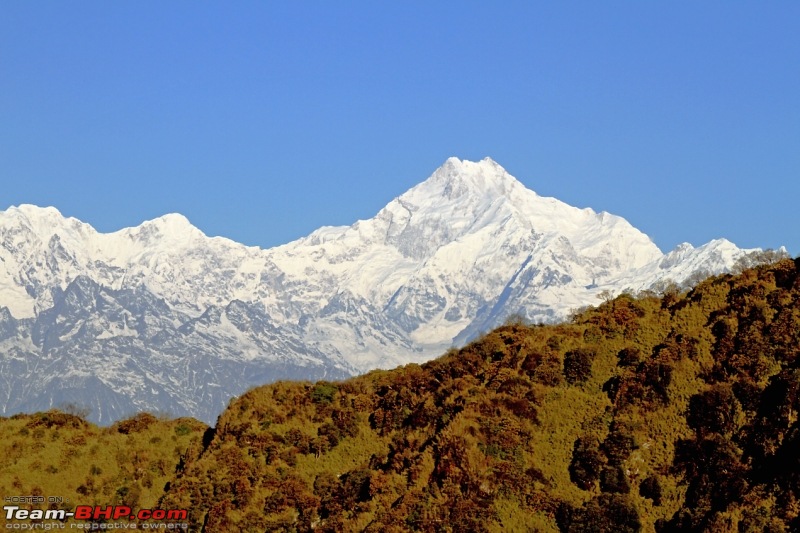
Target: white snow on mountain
[[183, 318]]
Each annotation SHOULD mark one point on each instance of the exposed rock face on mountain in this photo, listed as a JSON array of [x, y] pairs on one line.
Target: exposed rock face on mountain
[[161, 317]]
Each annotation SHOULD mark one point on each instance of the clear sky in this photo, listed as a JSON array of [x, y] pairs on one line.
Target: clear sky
[[261, 121]]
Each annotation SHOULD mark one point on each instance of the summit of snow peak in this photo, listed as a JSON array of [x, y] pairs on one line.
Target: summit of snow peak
[[172, 229], [45, 222], [171, 223], [34, 210], [468, 198], [457, 178], [42, 220]]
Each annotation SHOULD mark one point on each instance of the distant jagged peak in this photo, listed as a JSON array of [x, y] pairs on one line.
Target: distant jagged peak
[[35, 211], [171, 223], [47, 222], [463, 189], [32, 214], [719, 244], [685, 250], [683, 247], [44, 222], [457, 178], [169, 228], [463, 199], [459, 196]]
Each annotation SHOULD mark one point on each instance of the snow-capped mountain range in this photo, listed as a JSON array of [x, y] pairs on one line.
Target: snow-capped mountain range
[[161, 317]]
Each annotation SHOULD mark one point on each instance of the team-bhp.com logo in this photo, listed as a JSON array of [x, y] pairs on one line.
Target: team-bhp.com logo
[[95, 518]]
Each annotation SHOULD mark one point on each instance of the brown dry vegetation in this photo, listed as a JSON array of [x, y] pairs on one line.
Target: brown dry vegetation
[[673, 413], [56, 454]]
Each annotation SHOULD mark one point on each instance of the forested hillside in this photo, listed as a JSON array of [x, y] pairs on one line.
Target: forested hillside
[[672, 412]]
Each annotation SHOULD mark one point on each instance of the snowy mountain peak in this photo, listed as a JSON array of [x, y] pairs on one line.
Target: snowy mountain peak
[[42, 221], [456, 178], [159, 316], [172, 220], [170, 225], [459, 198], [30, 210]]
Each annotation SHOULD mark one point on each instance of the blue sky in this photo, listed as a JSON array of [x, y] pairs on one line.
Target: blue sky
[[261, 121]]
